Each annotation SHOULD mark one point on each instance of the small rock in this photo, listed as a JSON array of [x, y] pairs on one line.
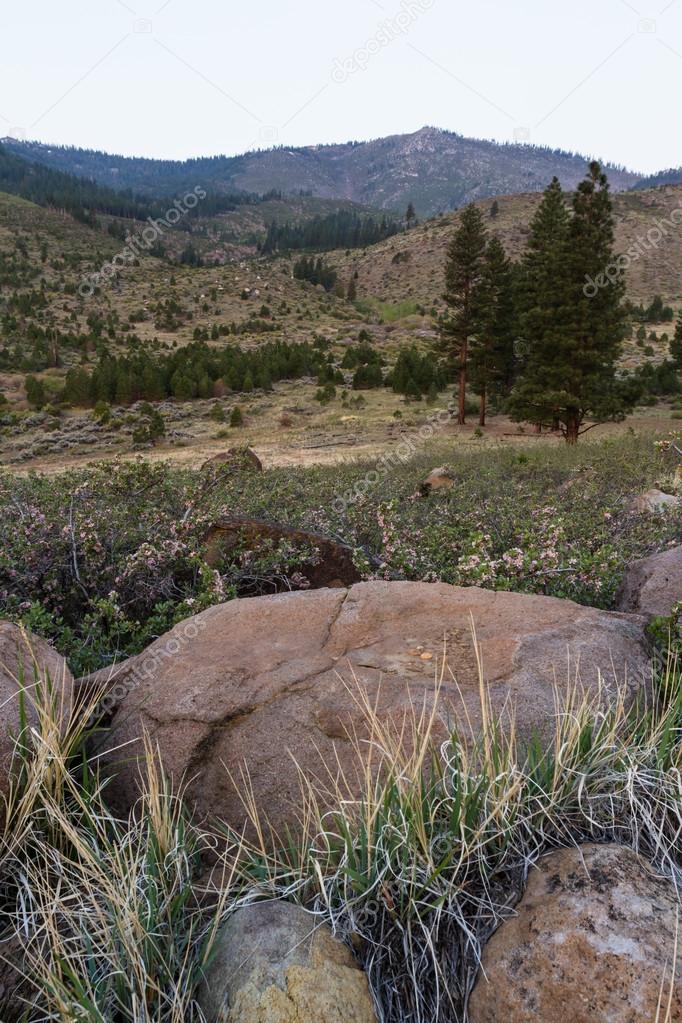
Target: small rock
[[240, 458], [652, 586], [593, 941], [438, 479], [276, 964], [655, 501]]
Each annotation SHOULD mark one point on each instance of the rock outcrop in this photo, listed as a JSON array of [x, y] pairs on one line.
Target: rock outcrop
[[655, 501], [266, 684], [332, 565], [652, 586], [593, 941], [438, 479], [244, 459], [274, 963], [24, 661]]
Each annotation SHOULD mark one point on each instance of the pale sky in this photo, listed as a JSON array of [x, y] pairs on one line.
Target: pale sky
[[179, 78]]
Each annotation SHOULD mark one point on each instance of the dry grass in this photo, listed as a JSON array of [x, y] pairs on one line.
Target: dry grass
[[418, 872], [414, 875], [104, 912]]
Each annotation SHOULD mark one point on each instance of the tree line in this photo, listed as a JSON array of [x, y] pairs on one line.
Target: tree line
[[343, 229], [84, 199], [194, 371]]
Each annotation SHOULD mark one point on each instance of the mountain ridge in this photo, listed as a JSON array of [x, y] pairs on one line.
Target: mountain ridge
[[435, 169]]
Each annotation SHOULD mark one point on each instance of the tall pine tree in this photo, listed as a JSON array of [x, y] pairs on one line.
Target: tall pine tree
[[492, 348], [573, 341], [464, 270]]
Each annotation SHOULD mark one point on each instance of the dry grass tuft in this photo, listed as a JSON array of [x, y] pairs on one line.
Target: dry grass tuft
[[418, 872], [415, 875]]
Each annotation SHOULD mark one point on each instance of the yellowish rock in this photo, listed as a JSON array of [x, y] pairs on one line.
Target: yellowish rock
[[275, 963]]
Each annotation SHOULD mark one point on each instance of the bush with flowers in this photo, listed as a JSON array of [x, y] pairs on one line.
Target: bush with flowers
[[104, 559]]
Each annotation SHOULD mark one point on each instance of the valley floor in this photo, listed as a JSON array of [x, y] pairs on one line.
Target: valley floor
[[286, 428]]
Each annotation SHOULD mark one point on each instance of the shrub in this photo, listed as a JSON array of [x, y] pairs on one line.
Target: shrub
[[103, 559]]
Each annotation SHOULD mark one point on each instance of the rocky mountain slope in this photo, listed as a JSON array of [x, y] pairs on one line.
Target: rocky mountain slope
[[436, 170]]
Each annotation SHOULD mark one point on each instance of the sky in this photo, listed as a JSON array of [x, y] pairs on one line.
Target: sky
[[181, 78]]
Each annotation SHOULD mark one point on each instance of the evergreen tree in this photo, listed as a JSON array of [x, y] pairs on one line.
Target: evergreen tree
[[410, 216], [492, 348], [463, 295], [574, 341], [676, 345], [77, 387], [367, 377], [35, 392]]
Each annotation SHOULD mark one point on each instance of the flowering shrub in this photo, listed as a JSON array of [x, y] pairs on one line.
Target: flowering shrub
[[105, 559]]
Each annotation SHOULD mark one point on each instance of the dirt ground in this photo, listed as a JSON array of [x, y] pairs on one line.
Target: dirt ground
[[290, 428]]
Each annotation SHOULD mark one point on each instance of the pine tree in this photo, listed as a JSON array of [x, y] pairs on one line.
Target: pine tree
[[352, 293], [676, 345], [410, 216], [463, 294], [77, 387], [35, 392], [574, 341], [492, 348]]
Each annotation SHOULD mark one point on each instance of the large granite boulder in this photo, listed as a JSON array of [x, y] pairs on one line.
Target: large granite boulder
[[271, 684], [652, 586], [28, 667], [593, 941], [275, 963]]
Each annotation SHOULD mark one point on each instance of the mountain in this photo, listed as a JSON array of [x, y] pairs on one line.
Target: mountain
[[60, 189], [435, 170], [672, 176]]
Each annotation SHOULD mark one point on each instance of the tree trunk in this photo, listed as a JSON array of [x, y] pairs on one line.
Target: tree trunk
[[572, 428], [461, 419], [481, 418]]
